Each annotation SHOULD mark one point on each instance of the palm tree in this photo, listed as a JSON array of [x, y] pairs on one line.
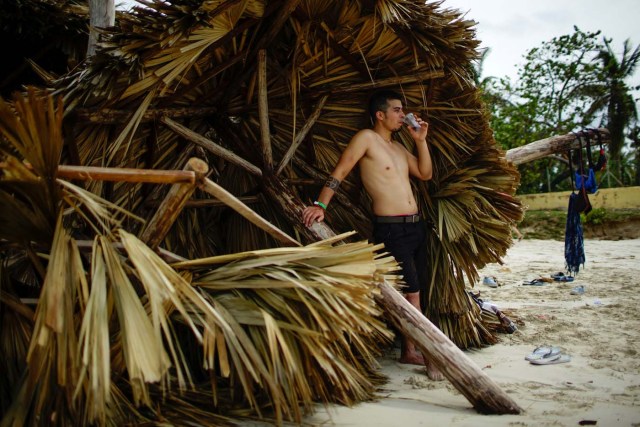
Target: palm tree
[[617, 100]]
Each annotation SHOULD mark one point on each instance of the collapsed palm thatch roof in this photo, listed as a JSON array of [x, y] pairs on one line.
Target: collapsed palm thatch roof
[[196, 65]]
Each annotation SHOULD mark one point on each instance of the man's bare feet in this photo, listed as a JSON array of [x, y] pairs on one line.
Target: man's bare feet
[[433, 372], [412, 359]]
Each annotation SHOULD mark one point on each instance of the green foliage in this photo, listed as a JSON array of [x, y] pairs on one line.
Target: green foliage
[[596, 216], [569, 83]]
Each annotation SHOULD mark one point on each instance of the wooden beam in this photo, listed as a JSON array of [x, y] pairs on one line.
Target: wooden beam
[[161, 222], [263, 112], [94, 173], [230, 200], [555, 144], [302, 134], [211, 146]]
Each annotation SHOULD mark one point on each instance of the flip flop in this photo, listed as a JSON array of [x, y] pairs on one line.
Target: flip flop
[[490, 281], [561, 358], [543, 352], [578, 290], [535, 282]]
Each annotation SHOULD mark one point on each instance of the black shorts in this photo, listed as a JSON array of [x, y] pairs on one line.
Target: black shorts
[[407, 243]]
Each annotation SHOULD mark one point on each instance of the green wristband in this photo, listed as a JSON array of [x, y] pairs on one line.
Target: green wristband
[[322, 205]]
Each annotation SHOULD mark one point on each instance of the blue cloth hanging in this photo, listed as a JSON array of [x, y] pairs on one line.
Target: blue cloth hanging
[[573, 238]]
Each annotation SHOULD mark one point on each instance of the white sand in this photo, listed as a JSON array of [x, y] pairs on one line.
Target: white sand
[[600, 330]]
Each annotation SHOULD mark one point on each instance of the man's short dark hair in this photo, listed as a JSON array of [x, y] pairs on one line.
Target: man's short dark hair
[[379, 101]]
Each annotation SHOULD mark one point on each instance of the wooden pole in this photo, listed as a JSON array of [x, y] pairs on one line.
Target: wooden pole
[[159, 225], [211, 146], [291, 206], [302, 134], [545, 147], [102, 14], [93, 173], [230, 200], [263, 112], [485, 396]]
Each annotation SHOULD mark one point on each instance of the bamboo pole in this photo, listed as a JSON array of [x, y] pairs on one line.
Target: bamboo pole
[[211, 146], [161, 222], [545, 147], [263, 112], [230, 200], [485, 396], [93, 173], [302, 134]]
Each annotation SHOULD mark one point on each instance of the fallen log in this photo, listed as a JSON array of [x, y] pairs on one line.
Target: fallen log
[[485, 396], [555, 144]]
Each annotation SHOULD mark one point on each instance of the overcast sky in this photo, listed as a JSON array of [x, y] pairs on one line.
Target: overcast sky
[[512, 27]]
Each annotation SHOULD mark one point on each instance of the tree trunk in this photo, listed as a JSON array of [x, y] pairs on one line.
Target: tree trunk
[[545, 147], [485, 396]]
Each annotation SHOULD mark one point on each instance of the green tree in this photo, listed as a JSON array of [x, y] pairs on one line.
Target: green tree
[[554, 94]]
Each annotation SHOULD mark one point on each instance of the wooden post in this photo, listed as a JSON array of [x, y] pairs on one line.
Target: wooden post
[[545, 147], [102, 14], [291, 206], [485, 396], [263, 112], [159, 225]]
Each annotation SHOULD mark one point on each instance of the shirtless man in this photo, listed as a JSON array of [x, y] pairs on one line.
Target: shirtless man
[[385, 168]]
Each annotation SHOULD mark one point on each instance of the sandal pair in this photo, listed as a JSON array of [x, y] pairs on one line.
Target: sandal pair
[[547, 355]]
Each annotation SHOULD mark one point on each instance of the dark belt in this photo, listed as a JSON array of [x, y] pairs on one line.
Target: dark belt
[[397, 219]]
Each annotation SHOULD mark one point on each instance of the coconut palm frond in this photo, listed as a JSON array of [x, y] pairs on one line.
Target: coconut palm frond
[[52, 369], [296, 311]]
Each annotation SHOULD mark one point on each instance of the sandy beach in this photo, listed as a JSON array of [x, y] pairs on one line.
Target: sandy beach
[[599, 329]]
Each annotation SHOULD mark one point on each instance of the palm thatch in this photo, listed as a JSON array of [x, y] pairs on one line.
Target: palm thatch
[[201, 59], [183, 78]]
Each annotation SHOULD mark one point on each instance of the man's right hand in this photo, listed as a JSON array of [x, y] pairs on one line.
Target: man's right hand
[[312, 214]]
